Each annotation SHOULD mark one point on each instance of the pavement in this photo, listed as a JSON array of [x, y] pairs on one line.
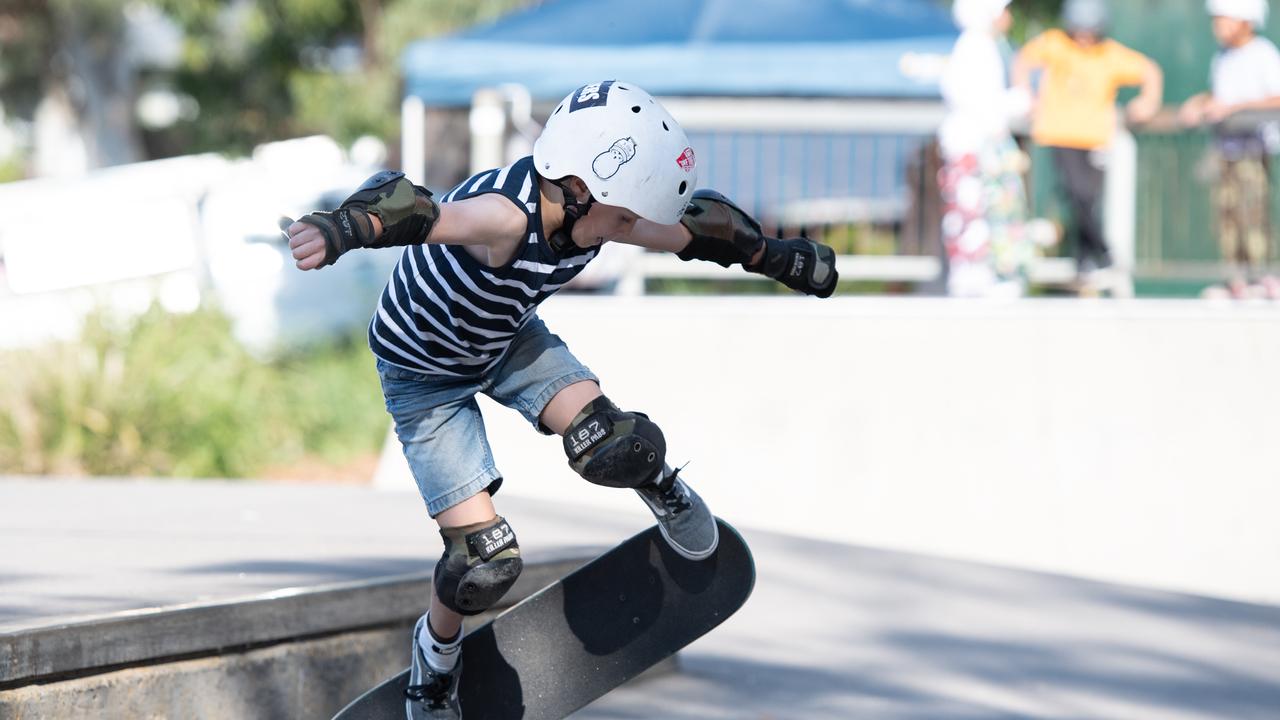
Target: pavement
[[832, 631]]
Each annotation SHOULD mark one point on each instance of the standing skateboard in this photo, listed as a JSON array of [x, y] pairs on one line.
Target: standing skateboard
[[588, 632]]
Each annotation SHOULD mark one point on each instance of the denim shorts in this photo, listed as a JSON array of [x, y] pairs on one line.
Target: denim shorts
[[438, 420]]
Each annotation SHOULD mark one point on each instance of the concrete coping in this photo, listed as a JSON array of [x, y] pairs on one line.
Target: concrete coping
[[165, 634]]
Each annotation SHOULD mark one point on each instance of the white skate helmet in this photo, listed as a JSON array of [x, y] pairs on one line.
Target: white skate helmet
[[625, 146], [1251, 11]]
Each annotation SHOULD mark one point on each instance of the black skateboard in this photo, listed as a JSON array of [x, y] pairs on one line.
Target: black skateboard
[[587, 633]]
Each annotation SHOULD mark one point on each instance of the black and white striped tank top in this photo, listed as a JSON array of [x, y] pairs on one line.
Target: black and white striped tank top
[[445, 313]]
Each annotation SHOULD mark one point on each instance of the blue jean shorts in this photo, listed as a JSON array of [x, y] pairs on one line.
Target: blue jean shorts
[[438, 420]]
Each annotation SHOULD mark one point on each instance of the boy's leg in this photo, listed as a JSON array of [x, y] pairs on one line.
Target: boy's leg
[[442, 433], [446, 623], [611, 447], [557, 394], [1255, 219], [566, 404], [1227, 202], [1082, 183]]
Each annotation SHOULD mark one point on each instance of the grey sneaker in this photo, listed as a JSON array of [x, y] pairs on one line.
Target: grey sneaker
[[431, 695], [683, 518]]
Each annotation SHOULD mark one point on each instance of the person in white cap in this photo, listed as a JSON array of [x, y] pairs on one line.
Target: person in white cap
[[984, 229], [459, 317], [1244, 76]]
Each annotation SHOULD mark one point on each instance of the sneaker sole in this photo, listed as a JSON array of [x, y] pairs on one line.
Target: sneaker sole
[[414, 676]]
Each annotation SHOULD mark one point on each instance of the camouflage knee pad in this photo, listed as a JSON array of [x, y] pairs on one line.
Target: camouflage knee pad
[[480, 564]]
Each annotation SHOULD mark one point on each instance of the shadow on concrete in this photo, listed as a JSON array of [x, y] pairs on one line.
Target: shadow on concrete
[[837, 631], [1119, 673], [721, 686], [1226, 613]]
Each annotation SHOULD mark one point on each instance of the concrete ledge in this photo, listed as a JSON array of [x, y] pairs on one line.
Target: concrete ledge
[[306, 680], [168, 634]]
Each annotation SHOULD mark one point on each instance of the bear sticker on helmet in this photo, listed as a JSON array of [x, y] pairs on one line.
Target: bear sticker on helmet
[[619, 153]]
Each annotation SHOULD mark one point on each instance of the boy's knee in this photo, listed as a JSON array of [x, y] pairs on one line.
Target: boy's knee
[[480, 564], [614, 448]]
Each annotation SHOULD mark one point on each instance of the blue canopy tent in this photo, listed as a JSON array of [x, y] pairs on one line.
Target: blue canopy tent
[[755, 48], [797, 50]]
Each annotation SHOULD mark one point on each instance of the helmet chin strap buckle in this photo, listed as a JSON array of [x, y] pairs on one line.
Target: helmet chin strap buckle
[[562, 239]]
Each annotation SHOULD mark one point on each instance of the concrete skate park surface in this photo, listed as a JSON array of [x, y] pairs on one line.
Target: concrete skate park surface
[[833, 630]]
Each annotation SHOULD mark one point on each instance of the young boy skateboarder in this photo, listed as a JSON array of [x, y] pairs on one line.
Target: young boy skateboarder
[[459, 317]]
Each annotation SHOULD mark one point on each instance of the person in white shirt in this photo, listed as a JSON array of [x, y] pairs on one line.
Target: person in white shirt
[[984, 226], [1244, 76]]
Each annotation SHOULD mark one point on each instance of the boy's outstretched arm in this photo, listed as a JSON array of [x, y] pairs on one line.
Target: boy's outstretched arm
[[388, 210], [715, 229]]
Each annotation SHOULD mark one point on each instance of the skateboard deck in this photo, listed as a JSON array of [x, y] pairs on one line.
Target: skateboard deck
[[587, 633]]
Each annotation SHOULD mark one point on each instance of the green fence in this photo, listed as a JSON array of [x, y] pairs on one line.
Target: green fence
[[1175, 246], [1174, 225]]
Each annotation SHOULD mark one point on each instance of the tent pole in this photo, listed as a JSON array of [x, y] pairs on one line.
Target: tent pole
[[413, 139]]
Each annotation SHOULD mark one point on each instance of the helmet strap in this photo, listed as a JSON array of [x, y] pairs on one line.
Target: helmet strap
[[562, 240]]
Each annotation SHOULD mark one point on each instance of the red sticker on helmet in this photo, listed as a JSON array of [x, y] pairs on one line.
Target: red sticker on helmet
[[686, 159]]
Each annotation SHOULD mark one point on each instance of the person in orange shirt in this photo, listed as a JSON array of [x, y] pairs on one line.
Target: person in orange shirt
[[1075, 110]]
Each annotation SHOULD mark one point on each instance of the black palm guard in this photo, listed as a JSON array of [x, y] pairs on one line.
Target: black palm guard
[[343, 229], [800, 264], [406, 211]]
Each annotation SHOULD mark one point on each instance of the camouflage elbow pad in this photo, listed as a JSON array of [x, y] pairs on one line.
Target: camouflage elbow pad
[[723, 233], [407, 211]]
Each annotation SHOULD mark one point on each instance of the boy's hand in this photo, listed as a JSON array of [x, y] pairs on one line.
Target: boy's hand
[[320, 238], [800, 264], [387, 210]]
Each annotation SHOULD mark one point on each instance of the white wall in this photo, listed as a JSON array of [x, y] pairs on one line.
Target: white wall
[[1129, 441]]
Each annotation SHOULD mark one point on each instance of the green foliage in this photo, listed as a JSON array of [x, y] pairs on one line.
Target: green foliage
[[176, 395], [340, 104], [12, 168], [408, 20], [249, 69], [26, 48], [259, 70], [861, 239], [1030, 17]]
